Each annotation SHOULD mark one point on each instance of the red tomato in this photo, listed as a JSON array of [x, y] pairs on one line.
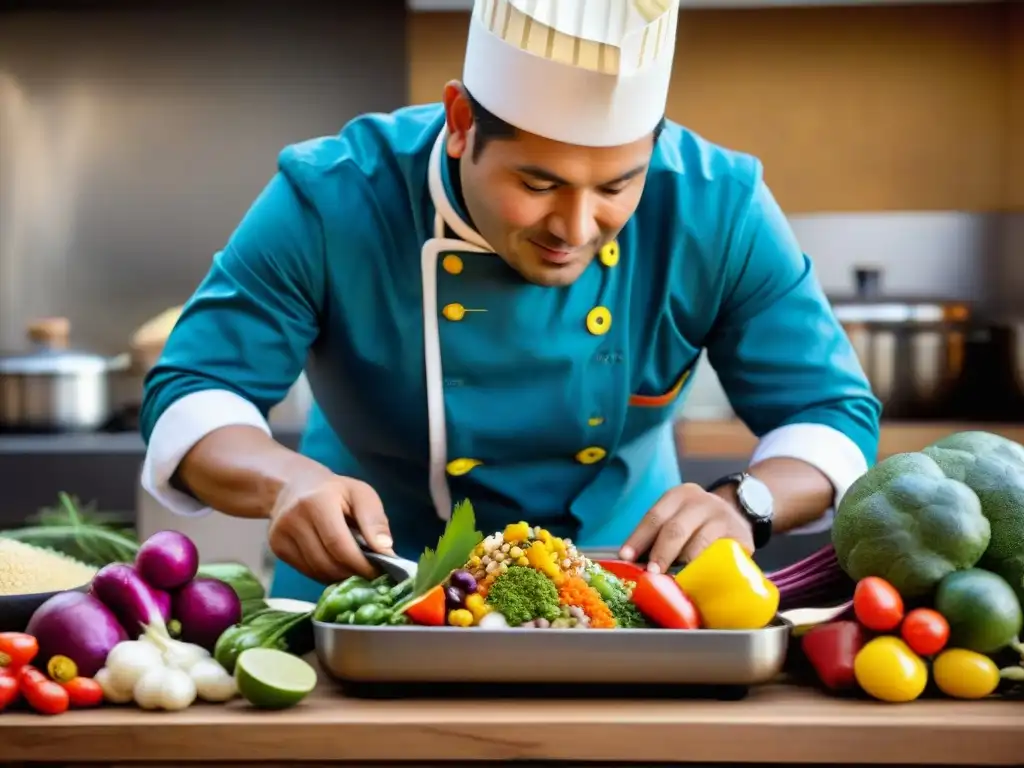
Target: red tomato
[[17, 649], [83, 692], [9, 688], [877, 605], [925, 631], [42, 694]]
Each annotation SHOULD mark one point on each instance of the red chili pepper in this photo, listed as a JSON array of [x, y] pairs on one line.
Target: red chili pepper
[[623, 569], [831, 649], [17, 649], [42, 694], [9, 689], [659, 598], [83, 692]]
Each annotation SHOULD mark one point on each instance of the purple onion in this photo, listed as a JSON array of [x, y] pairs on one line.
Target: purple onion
[[205, 608], [135, 603], [76, 625], [167, 560]]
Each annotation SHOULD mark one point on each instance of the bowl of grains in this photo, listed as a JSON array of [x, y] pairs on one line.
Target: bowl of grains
[[30, 575]]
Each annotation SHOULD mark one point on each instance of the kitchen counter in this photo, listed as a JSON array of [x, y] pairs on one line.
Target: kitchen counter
[[774, 724], [731, 438], [712, 438]]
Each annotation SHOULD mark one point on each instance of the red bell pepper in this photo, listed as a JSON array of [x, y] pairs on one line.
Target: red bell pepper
[[658, 597], [428, 609], [623, 569], [831, 649]]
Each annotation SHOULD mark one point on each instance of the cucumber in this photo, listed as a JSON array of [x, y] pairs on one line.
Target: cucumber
[[982, 609]]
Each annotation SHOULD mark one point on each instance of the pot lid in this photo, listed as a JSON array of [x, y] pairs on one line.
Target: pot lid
[[50, 354], [53, 361], [870, 304]]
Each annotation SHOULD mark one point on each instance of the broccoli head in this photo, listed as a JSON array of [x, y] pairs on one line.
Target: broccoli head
[[522, 594]]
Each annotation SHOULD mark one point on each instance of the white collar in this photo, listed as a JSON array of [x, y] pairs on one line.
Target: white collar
[[446, 211]]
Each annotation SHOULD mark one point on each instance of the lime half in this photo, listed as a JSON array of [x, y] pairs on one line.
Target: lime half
[[272, 679]]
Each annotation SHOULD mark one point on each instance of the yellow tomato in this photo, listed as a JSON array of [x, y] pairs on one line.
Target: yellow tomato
[[886, 669], [965, 674]]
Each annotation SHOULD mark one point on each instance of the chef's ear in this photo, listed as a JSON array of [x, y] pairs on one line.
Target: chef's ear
[[458, 116]]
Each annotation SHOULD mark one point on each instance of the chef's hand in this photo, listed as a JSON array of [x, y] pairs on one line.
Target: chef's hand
[[309, 525], [681, 526]]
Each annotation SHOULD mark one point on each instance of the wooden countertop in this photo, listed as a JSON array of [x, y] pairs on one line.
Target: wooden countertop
[[731, 438], [774, 724]]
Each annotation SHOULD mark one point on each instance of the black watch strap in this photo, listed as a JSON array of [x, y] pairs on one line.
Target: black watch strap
[[758, 512], [732, 479]]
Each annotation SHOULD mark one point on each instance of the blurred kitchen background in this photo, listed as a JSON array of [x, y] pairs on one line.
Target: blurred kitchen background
[[133, 136]]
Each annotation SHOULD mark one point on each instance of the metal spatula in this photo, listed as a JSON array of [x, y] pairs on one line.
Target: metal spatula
[[398, 568]]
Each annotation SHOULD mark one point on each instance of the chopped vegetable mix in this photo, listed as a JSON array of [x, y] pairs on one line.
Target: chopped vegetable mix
[[523, 576]]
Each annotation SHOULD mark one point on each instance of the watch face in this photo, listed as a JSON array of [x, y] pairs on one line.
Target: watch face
[[756, 497]]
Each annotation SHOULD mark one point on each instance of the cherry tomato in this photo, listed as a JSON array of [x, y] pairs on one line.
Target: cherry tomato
[[965, 674], [83, 692], [17, 649], [61, 669], [877, 605], [888, 670], [9, 689], [925, 631], [42, 694]]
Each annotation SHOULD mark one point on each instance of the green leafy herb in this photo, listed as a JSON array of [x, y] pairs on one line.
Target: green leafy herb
[[456, 544], [66, 530], [70, 509]]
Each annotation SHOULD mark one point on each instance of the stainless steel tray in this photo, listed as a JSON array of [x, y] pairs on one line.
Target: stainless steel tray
[[416, 655]]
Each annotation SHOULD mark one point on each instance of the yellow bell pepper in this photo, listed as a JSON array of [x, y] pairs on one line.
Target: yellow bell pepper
[[543, 560], [515, 533], [728, 588]]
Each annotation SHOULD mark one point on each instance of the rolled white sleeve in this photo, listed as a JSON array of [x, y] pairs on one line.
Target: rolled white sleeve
[[186, 422], [821, 446]]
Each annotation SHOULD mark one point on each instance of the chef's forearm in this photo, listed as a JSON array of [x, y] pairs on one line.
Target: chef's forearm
[[240, 471], [801, 492]]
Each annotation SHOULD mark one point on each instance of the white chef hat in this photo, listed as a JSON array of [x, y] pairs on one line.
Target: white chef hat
[[586, 72]]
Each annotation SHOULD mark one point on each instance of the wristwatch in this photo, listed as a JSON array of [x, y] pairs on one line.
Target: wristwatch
[[756, 503]]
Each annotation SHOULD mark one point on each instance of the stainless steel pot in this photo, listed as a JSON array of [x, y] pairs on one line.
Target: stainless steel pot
[[51, 388], [912, 350]]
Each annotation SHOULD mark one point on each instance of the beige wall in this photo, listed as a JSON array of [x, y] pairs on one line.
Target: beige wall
[[1015, 89], [851, 109]]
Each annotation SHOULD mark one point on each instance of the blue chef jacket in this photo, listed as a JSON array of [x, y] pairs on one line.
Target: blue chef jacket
[[439, 374]]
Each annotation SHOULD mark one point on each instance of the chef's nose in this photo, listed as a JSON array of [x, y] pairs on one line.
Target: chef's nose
[[573, 223]]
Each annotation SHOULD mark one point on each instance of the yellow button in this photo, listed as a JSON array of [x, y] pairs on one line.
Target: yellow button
[[599, 321], [595, 421], [609, 255], [452, 264], [454, 312], [591, 455], [462, 466]]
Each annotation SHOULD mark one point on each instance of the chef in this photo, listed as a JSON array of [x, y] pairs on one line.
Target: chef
[[503, 298]]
